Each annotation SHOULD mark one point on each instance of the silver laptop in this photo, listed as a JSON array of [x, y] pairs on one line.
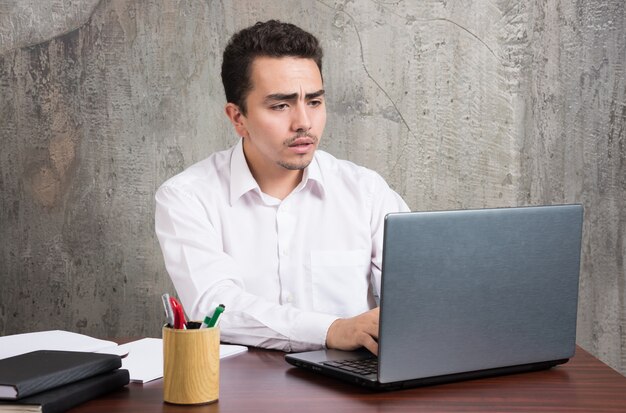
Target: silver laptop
[[469, 294]]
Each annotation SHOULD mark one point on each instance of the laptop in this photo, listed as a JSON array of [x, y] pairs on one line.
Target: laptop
[[469, 294]]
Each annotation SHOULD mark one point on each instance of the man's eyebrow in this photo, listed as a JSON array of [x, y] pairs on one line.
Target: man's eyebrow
[[314, 95], [292, 96]]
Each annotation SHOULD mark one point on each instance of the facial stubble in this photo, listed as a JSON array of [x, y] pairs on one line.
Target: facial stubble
[[305, 162]]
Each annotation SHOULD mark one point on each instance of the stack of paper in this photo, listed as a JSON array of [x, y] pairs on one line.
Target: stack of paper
[[142, 358], [51, 340]]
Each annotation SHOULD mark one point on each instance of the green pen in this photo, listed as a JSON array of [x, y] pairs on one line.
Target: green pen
[[212, 321]]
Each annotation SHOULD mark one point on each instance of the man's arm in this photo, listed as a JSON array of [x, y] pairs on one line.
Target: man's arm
[[204, 276], [362, 330], [352, 333]]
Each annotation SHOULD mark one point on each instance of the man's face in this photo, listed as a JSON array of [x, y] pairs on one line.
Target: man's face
[[285, 115]]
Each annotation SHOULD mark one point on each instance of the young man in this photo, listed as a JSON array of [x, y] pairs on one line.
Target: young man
[[287, 237]]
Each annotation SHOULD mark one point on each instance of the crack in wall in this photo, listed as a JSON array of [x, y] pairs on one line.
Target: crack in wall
[[378, 85], [17, 45], [369, 75], [442, 19]]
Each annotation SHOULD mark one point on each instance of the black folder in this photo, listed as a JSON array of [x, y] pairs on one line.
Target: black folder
[[37, 371], [62, 398]]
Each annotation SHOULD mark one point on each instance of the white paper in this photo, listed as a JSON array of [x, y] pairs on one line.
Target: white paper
[[144, 361], [227, 350], [17, 344], [145, 358]]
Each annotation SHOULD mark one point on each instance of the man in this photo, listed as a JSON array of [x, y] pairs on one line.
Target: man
[[287, 237]]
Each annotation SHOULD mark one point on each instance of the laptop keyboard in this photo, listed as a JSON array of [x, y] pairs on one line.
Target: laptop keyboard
[[362, 367]]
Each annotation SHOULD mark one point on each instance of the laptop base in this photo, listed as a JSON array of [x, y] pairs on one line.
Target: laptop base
[[370, 382]]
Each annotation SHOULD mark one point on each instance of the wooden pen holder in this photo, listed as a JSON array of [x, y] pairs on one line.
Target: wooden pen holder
[[191, 365]]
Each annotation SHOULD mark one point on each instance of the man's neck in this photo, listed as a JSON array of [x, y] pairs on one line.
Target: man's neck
[[280, 185], [276, 181]]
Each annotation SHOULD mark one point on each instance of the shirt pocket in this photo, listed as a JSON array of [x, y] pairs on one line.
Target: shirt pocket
[[340, 281]]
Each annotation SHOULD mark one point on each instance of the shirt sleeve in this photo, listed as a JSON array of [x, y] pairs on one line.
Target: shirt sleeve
[[205, 276], [384, 201]]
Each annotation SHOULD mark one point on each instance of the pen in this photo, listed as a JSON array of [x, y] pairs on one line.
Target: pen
[[214, 319], [207, 319], [169, 313], [179, 314]]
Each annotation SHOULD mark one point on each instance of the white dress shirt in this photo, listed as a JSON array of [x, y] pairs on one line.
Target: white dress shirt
[[285, 270]]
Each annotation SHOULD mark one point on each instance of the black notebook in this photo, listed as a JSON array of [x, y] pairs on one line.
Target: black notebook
[[37, 371], [65, 397]]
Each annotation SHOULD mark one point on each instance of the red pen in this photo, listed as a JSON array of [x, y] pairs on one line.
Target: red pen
[[179, 314]]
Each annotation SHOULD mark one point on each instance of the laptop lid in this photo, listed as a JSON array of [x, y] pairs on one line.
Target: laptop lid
[[471, 293], [481, 289]]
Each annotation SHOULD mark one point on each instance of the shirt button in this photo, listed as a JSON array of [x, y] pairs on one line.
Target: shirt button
[[289, 298], [285, 252]]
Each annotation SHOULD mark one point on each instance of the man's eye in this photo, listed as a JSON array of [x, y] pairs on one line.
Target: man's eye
[[281, 106], [315, 102]]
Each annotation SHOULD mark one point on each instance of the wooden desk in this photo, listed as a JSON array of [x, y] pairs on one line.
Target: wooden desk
[[261, 381]]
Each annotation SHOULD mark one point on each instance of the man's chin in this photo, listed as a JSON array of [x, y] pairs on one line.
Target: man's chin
[[295, 166]]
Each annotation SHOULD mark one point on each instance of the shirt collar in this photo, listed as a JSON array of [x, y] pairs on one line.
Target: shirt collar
[[313, 174], [242, 181]]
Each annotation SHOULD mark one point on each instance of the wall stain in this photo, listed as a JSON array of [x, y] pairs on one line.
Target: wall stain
[[50, 173]]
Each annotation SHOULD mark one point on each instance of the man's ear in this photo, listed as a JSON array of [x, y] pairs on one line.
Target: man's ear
[[236, 118]]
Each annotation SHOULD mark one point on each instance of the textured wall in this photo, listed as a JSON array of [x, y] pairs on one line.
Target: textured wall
[[458, 104], [573, 149]]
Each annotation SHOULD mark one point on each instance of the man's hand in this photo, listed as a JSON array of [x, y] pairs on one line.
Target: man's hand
[[355, 332]]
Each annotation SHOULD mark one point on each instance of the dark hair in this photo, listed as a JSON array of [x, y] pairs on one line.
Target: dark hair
[[270, 39]]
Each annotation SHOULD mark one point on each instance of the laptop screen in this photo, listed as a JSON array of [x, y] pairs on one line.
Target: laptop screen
[[478, 289]]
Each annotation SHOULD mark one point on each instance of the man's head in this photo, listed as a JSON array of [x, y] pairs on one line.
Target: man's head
[[265, 39], [275, 98]]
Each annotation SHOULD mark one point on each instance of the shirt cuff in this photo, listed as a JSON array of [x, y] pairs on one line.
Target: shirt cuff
[[309, 331]]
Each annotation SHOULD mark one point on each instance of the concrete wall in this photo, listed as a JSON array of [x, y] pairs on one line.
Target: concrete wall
[[459, 104]]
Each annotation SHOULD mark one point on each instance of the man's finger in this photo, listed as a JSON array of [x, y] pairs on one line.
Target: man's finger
[[371, 345]]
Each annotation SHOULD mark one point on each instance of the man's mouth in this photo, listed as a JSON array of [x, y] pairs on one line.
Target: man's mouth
[[301, 144], [301, 139]]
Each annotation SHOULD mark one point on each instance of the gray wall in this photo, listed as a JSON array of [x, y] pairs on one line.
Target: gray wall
[[458, 104]]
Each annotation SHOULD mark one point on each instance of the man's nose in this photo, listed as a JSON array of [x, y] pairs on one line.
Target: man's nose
[[301, 120]]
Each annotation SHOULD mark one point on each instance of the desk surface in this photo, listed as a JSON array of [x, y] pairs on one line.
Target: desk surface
[[261, 381]]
